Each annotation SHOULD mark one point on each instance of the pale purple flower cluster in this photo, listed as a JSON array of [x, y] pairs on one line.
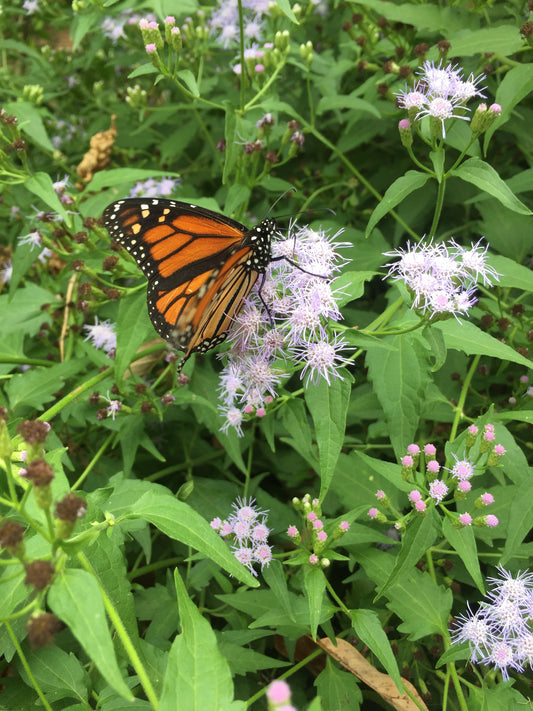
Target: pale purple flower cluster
[[113, 27], [421, 467], [442, 277], [248, 529], [102, 335], [441, 92], [499, 633], [224, 21], [284, 319], [155, 188]]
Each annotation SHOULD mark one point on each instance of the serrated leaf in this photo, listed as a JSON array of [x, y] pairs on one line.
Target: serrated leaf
[[296, 425], [60, 675], [398, 191], [503, 39], [520, 520], [464, 542], [30, 122], [188, 78], [328, 103], [470, 339], [197, 676], [351, 285], [423, 605], [143, 70], [339, 689], [40, 184], [401, 379], [133, 329], [512, 275], [368, 628], [484, 177], [419, 536], [328, 405], [117, 176], [275, 579], [179, 521], [75, 598], [315, 585], [286, 9], [515, 85], [39, 385]]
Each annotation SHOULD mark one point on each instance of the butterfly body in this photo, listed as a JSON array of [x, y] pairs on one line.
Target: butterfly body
[[200, 265]]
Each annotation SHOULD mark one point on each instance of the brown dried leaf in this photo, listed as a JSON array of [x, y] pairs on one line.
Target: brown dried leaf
[[354, 662], [144, 365], [97, 157]]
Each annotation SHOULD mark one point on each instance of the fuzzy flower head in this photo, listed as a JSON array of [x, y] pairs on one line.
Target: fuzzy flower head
[[282, 325], [498, 633], [441, 93], [441, 277], [102, 335], [246, 526]]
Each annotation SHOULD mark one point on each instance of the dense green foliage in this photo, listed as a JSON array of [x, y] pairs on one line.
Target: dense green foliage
[[116, 592]]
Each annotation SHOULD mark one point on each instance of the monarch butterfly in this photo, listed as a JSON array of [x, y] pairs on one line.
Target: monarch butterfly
[[200, 265]]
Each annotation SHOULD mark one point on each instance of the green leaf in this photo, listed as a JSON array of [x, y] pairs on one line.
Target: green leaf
[[515, 85], [503, 39], [470, 339], [339, 688], [520, 520], [437, 159], [118, 176], [315, 585], [286, 9], [60, 675], [40, 184], [179, 521], [328, 405], [484, 177], [187, 77], [31, 123], [398, 191], [197, 676], [231, 154], [368, 628], [237, 195], [275, 579], [83, 23], [39, 385], [419, 536], [464, 542], [512, 275], [143, 70], [447, 20], [299, 436], [401, 379], [133, 329], [76, 599], [339, 101], [351, 285]]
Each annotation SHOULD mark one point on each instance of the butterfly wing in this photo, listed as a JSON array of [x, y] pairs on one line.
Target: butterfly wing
[[200, 265]]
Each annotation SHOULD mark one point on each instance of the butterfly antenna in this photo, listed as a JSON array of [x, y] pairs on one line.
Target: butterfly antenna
[[290, 190]]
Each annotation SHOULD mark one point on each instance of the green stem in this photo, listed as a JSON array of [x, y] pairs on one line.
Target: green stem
[[462, 397], [438, 208], [27, 669], [241, 49], [52, 412], [264, 89], [316, 133], [124, 638], [93, 462]]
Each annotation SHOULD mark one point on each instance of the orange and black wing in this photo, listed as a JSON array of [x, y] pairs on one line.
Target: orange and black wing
[[200, 265]]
